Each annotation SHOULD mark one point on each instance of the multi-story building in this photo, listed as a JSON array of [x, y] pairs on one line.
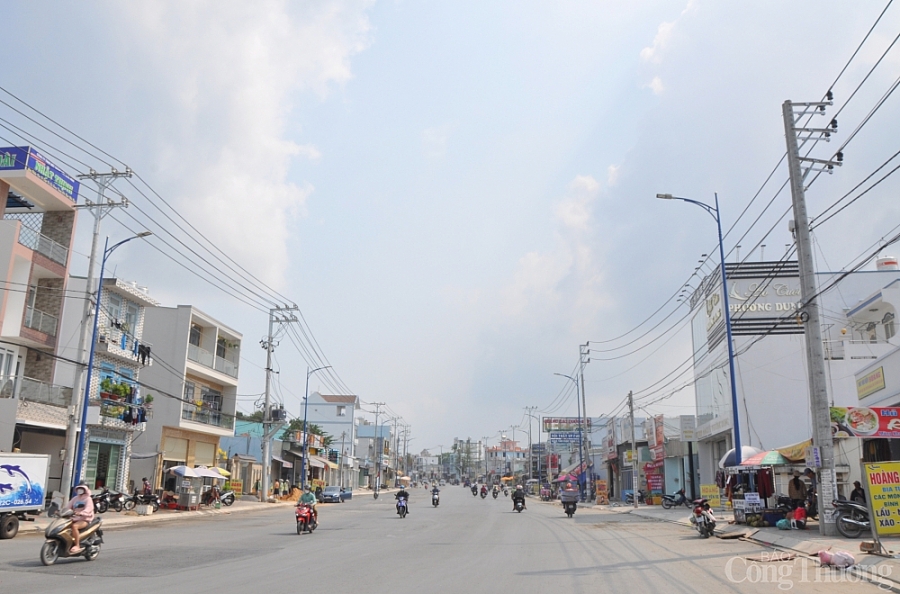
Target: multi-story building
[[194, 381], [770, 346], [116, 401], [374, 450], [37, 207], [335, 415], [507, 458]]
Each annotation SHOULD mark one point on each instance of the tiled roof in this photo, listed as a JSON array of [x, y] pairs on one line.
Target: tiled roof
[[337, 399]]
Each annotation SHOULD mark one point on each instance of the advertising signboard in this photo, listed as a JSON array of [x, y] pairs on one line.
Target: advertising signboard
[[883, 489], [711, 492], [857, 421], [687, 424], [602, 492], [14, 158], [565, 436], [870, 383], [565, 423]]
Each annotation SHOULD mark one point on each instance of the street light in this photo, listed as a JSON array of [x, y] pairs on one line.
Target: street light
[[714, 213], [305, 433], [79, 451], [581, 468]]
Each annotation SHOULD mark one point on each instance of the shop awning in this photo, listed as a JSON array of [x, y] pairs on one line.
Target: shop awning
[[325, 462], [316, 462], [795, 452], [284, 463]]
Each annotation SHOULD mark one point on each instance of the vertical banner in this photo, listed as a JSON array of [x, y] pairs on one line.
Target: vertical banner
[[883, 490]]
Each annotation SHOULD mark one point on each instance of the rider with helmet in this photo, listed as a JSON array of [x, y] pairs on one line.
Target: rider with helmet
[[518, 495]]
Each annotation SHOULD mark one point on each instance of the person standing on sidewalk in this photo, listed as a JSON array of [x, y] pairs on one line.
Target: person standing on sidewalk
[[796, 490], [858, 495], [276, 488]]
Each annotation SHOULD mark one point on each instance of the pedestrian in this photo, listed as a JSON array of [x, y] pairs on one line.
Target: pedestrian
[[284, 488], [858, 494], [276, 488], [796, 490]]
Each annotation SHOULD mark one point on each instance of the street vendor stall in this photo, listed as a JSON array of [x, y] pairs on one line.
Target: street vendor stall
[[187, 487], [750, 485]]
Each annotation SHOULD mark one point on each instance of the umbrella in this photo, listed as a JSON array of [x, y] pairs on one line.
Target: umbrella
[[205, 472], [746, 452], [221, 471], [771, 458], [184, 471]]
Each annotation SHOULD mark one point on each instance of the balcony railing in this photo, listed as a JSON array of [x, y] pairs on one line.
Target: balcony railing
[[204, 357], [37, 391], [40, 321], [44, 245], [199, 414]]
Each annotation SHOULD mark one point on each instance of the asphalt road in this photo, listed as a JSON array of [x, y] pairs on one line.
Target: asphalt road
[[466, 545]]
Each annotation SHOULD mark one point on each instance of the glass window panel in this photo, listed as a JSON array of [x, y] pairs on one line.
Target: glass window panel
[[131, 316], [115, 307], [195, 335]]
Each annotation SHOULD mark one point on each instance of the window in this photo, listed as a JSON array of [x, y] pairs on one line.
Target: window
[[196, 334], [32, 295], [211, 398], [189, 391], [342, 411], [220, 348], [115, 307], [131, 316]]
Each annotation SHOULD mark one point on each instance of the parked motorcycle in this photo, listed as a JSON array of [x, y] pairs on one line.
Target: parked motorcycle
[[306, 519], [703, 518], [670, 501], [101, 500], [401, 507], [226, 497], [138, 499], [59, 539], [435, 499], [852, 518], [116, 501], [629, 497]]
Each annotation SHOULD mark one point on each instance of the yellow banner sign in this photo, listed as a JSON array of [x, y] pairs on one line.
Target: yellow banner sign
[[884, 490], [870, 383], [711, 492]]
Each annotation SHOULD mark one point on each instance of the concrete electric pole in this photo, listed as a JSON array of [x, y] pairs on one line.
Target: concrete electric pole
[[271, 424], [584, 359], [809, 312], [634, 457], [99, 209]]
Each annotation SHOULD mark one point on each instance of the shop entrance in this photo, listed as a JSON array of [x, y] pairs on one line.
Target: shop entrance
[[103, 465]]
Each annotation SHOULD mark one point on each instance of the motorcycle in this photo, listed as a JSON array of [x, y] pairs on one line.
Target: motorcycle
[[505, 492], [306, 519], [60, 540], [703, 518], [116, 501], [520, 505], [670, 501], [474, 491], [495, 493], [435, 499], [569, 507], [401, 507], [226, 497], [101, 501], [484, 493], [138, 499], [629, 498], [852, 518]]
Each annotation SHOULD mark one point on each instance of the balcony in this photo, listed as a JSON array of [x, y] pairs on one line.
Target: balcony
[[207, 359], [37, 391], [115, 415], [199, 414], [116, 342], [40, 321], [42, 244]]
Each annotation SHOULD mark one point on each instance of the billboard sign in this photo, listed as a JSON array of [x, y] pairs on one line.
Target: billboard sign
[[565, 436], [24, 158], [565, 423], [870, 383], [883, 490], [687, 425], [858, 421]]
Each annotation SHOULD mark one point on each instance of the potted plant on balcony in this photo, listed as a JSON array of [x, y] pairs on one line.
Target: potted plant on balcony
[[148, 401], [106, 388]]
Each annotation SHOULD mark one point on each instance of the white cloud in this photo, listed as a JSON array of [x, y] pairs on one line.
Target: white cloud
[[565, 278], [434, 141], [228, 75], [653, 52], [656, 85], [612, 175]]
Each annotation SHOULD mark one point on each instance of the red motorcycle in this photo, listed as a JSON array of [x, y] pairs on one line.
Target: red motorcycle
[[306, 518]]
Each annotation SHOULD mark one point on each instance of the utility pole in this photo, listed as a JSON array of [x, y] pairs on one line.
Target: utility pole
[[271, 425], [343, 437], [809, 313], [376, 453], [634, 458], [584, 359], [528, 411], [99, 209]]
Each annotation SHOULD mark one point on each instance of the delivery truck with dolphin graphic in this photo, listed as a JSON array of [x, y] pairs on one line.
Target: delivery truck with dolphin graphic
[[23, 489]]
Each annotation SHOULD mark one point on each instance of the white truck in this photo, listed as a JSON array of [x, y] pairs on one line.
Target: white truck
[[23, 487]]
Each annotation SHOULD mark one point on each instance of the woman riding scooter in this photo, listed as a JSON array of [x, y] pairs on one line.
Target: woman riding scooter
[[83, 507]]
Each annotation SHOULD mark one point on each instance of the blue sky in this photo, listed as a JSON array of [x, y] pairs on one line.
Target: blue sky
[[459, 194]]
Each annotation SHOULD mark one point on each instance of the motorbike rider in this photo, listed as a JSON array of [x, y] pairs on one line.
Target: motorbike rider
[[405, 494], [309, 498], [435, 490], [474, 489], [83, 506], [484, 489], [518, 495]]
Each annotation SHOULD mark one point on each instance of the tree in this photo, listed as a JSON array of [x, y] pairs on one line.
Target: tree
[[297, 425], [257, 416]]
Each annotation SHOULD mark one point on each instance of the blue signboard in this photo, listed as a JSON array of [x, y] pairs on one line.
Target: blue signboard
[[564, 436], [27, 158]]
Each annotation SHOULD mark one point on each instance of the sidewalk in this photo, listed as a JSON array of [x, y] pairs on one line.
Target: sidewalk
[[114, 520], [804, 542]]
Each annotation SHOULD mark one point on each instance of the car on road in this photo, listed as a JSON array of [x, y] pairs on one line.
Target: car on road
[[332, 495], [346, 493]]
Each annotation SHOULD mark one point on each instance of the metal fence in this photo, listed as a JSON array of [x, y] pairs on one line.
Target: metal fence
[[40, 321]]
